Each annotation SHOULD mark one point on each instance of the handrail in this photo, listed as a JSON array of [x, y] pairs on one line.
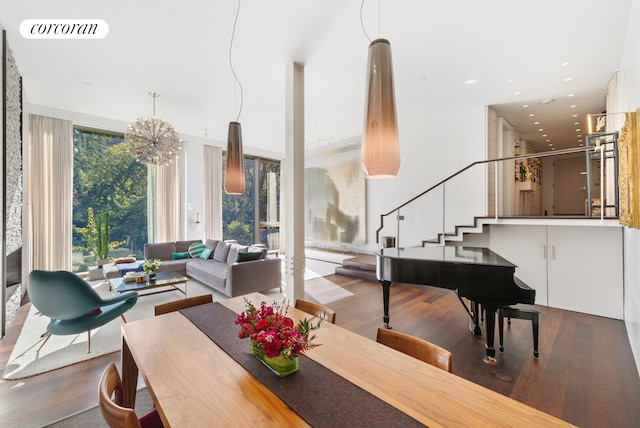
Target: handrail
[[528, 156]]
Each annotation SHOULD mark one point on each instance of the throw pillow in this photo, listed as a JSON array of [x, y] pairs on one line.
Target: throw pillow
[[246, 257], [181, 255], [195, 249], [206, 253], [234, 249], [124, 260], [221, 252]]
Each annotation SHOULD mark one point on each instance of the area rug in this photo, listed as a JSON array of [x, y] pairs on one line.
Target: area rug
[[93, 417], [62, 351]]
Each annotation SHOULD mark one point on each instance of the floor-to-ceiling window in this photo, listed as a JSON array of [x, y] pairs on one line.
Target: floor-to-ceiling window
[[107, 180], [254, 216]]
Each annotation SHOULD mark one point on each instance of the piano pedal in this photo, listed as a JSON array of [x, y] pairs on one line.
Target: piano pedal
[[490, 360]]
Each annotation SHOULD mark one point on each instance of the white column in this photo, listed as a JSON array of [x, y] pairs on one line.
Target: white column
[[294, 184]]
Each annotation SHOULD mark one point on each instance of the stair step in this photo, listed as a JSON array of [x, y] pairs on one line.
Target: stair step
[[366, 274], [363, 262]]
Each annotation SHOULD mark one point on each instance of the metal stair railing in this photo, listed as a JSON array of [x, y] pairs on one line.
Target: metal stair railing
[[586, 149]]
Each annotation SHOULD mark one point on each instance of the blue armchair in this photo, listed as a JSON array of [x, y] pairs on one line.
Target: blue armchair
[[72, 304]]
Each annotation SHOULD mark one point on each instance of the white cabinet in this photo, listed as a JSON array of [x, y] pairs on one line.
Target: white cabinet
[[578, 268]]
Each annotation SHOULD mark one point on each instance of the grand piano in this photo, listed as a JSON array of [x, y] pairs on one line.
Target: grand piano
[[476, 273]]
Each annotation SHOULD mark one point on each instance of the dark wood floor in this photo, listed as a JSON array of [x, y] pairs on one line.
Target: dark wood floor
[[585, 374]]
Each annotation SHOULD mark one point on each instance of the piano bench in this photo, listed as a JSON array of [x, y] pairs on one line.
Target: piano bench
[[520, 311]]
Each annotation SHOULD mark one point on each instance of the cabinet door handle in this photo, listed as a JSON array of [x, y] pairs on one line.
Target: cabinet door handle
[[553, 252], [543, 251]]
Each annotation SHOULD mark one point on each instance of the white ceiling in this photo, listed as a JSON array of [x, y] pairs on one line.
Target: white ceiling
[[181, 50]]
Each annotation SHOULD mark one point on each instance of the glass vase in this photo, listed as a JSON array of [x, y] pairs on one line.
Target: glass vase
[[283, 365], [256, 350]]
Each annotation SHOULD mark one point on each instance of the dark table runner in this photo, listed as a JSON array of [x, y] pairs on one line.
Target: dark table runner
[[315, 393]]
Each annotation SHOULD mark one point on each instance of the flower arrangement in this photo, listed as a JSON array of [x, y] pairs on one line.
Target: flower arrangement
[[271, 329], [151, 266]]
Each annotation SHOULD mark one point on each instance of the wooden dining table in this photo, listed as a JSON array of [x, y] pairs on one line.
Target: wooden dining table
[[195, 383]]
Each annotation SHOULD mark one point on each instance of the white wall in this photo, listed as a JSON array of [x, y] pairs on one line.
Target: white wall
[[628, 99]]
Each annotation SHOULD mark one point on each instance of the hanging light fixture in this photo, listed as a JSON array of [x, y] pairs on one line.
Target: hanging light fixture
[[234, 182], [153, 141], [380, 153]]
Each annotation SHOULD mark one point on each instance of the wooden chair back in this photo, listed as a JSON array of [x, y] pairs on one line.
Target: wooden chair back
[[113, 413], [417, 348], [317, 310], [187, 302]]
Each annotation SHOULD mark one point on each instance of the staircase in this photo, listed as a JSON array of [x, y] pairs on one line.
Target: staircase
[[362, 266]]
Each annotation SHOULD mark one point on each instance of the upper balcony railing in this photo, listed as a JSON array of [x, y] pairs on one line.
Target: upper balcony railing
[[559, 183]]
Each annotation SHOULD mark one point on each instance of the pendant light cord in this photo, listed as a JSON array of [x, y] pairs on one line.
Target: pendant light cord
[[362, 23], [231, 63]]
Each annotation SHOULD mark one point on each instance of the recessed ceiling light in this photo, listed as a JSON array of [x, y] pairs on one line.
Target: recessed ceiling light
[[575, 115], [573, 106], [516, 93], [564, 64], [540, 129], [536, 123], [568, 79], [531, 115], [547, 101], [509, 80], [576, 123], [570, 95], [544, 135], [550, 144], [580, 144], [578, 130], [525, 106], [553, 148], [471, 81]]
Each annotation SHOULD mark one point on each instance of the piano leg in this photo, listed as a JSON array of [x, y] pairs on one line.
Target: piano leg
[[490, 324], [386, 286]]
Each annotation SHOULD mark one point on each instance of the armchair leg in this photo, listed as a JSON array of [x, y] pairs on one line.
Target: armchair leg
[[45, 341], [89, 342], [123, 318]]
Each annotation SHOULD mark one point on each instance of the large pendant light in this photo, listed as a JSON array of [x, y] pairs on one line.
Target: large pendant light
[[380, 153], [234, 182], [380, 145]]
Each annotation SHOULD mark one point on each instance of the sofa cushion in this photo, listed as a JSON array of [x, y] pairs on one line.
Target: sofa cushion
[[212, 243], [206, 253], [196, 249], [234, 249], [260, 250], [181, 255], [247, 256], [208, 271], [221, 252], [161, 250], [182, 246]]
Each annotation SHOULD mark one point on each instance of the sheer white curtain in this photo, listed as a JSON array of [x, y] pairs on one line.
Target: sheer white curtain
[[283, 206], [169, 197], [212, 192], [51, 191]]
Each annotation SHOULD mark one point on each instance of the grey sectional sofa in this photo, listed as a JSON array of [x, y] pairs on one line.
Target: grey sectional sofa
[[221, 271]]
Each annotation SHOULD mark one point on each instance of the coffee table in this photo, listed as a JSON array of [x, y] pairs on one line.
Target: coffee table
[[168, 279]]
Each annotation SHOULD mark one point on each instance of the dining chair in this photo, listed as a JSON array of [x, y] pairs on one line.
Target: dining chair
[[417, 348], [316, 309], [72, 304], [110, 397], [187, 302]]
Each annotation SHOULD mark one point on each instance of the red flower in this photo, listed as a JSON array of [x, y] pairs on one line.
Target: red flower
[[276, 333]]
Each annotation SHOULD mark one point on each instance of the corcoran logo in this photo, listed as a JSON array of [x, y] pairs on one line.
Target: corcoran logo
[[64, 29]]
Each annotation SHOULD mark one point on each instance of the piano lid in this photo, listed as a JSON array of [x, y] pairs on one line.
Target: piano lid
[[447, 254]]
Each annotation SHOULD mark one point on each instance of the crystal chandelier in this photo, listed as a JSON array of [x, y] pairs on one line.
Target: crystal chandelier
[[153, 141]]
